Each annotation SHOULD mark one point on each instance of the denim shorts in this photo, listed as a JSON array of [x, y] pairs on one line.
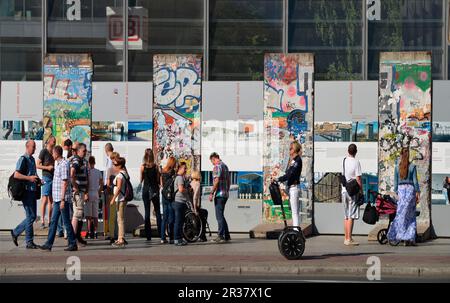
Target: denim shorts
[[47, 186]]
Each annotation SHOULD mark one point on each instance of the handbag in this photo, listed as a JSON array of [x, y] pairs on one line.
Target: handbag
[[351, 186], [370, 214], [359, 198]]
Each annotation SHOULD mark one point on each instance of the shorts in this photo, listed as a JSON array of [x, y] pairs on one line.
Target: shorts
[[351, 210], [91, 208], [78, 205], [47, 186]]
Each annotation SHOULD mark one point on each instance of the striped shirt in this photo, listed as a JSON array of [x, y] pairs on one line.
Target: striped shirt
[[81, 173], [60, 174], [221, 171]]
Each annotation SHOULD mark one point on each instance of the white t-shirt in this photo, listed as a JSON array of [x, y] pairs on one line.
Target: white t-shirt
[[94, 176], [120, 197], [108, 170], [352, 170]]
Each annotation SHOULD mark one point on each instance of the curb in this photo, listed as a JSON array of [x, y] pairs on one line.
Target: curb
[[238, 270]]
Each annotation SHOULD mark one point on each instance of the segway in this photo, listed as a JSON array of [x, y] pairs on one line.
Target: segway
[[291, 241]]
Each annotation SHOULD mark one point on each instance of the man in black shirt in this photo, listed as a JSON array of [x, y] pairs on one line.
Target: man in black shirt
[[80, 186], [45, 162]]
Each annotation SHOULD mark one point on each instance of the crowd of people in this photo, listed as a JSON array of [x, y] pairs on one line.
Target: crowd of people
[[71, 188]]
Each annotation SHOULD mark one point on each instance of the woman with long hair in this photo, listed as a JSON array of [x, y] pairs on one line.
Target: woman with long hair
[[292, 177], [118, 199], [150, 191], [168, 217], [406, 185]]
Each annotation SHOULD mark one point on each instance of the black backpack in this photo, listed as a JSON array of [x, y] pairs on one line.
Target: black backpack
[[128, 195], [168, 191], [16, 187]]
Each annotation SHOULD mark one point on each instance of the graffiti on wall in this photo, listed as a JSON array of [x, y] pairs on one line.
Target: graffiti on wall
[[67, 97], [405, 119], [288, 117], [176, 108]]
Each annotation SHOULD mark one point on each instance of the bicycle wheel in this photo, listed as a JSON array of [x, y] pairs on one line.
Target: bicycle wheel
[[192, 227]]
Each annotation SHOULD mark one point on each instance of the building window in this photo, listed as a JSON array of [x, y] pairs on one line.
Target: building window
[[20, 40], [86, 26], [168, 26], [408, 25], [240, 33], [332, 30]]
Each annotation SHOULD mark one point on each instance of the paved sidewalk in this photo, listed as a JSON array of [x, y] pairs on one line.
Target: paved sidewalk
[[323, 255]]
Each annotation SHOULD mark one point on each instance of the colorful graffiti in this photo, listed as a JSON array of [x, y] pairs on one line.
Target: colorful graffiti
[[405, 119], [288, 116], [67, 97], [176, 108]]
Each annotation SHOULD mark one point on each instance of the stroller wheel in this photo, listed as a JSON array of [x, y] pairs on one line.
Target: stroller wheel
[[394, 243], [382, 236], [291, 244]]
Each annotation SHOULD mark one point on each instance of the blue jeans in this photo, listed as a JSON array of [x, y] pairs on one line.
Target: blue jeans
[[219, 204], [179, 210], [148, 225], [47, 187], [60, 229], [29, 204], [168, 220], [66, 221]]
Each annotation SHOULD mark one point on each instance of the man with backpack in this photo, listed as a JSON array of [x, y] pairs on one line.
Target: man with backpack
[[80, 184], [26, 178]]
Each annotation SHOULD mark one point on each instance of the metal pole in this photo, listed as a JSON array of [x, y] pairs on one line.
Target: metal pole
[[365, 44], [125, 42], [206, 40]]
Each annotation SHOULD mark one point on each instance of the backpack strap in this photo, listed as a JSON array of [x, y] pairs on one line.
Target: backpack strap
[[126, 180], [24, 162], [343, 166]]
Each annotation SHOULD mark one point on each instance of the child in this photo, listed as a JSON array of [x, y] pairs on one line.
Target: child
[[195, 184], [91, 207]]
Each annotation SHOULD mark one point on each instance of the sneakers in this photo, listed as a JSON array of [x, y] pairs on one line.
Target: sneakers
[[14, 238], [219, 240], [350, 243], [42, 225], [164, 241], [118, 245], [32, 246], [180, 243]]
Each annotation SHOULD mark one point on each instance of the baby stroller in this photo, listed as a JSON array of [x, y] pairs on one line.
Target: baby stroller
[[385, 205], [291, 242]]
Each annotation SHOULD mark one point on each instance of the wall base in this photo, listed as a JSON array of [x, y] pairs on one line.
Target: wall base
[[272, 231]]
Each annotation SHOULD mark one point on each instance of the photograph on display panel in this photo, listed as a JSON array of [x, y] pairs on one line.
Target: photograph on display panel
[[21, 130], [109, 131]]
